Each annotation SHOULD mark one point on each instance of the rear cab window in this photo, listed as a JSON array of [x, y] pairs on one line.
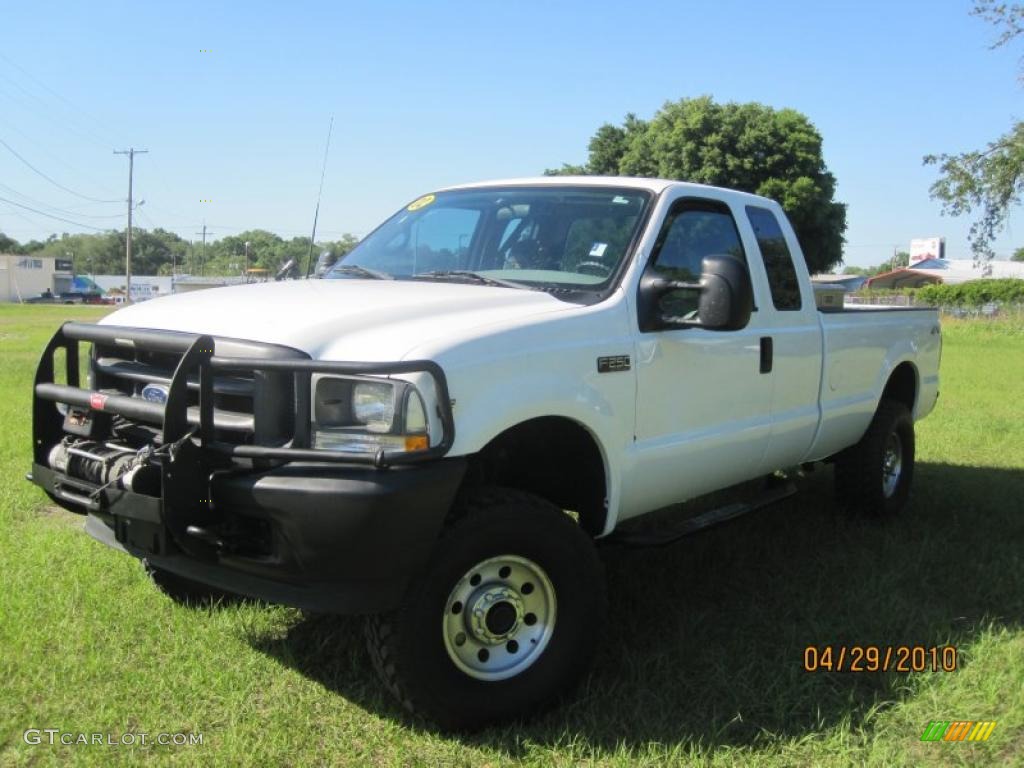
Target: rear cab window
[[778, 260]]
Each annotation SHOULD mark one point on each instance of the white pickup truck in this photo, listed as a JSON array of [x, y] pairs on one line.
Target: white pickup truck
[[439, 432]]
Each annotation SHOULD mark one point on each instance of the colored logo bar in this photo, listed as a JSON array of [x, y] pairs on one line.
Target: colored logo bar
[[958, 730]]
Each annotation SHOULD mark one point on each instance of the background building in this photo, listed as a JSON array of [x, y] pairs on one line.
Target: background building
[[950, 271], [143, 286], [26, 277]]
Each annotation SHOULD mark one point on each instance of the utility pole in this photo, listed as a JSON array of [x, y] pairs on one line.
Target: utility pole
[[202, 263], [247, 261], [131, 152]]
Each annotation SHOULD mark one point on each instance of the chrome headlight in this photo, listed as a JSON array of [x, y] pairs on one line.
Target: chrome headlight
[[362, 415], [374, 406]]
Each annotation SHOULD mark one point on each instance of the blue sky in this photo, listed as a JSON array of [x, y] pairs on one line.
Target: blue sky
[[435, 93]]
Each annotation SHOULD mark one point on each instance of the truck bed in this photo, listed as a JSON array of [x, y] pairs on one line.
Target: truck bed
[[862, 348]]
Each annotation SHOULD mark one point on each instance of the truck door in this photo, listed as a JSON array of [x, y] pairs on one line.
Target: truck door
[[703, 408], [793, 330]]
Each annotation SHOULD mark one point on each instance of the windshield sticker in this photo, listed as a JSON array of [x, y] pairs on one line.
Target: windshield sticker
[[597, 249], [422, 202]]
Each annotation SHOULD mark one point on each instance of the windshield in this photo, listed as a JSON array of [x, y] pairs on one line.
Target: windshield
[[545, 237]]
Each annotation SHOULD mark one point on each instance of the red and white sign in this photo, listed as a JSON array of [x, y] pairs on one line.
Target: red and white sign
[[925, 248]]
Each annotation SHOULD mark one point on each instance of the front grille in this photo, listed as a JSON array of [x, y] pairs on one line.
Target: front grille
[[249, 407]]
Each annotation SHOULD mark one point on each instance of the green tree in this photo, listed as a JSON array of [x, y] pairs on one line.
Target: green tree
[[158, 251], [341, 246], [100, 253], [267, 250], [986, 183], [8, 244], [750, 147], [898, 260], [854, 270], [1018, 255], [227, 255]]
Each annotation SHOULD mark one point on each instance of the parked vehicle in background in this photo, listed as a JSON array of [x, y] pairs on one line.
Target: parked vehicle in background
[[439, 432]]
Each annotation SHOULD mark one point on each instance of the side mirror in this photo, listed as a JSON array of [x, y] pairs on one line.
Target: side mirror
[[726, 297], [326, 260]]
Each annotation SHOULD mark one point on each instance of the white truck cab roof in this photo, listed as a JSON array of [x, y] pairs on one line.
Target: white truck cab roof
[[630, 182]]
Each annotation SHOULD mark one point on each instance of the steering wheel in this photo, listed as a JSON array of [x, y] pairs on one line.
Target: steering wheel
[[595, 268]]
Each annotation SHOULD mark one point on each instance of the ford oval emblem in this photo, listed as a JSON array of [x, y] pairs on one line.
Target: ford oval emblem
[[155, 393]]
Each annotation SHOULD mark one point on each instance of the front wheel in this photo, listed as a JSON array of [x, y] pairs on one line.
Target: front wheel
[[873, 477], [504, 618]]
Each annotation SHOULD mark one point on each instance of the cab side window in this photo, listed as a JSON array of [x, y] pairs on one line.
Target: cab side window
[[693, 229], [778, 261]]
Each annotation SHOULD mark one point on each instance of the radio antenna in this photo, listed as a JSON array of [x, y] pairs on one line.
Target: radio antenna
[[316, 214]]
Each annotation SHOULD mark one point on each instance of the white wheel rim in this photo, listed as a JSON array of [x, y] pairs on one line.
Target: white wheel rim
[[892, 465], [499, 618]]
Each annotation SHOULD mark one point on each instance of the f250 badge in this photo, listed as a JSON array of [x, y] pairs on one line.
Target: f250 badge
[[613, 364]]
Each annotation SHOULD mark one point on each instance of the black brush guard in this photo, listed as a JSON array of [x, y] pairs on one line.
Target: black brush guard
[[192, 453]]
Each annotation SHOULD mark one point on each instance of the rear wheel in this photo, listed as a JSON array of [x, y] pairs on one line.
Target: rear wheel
[[874, 476], [503, 620]]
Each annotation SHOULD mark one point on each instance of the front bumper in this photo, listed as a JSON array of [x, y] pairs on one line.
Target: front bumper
[[336, 540], [287, 523]]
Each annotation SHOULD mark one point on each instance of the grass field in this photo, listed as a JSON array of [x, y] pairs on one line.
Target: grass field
[[701, 662]]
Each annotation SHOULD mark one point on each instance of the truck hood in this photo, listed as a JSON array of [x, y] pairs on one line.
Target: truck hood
[[347, 319]]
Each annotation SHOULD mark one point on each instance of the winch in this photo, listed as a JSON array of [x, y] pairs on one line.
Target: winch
[[104, 464]]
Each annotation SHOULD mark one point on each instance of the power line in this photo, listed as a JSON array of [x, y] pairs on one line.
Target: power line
[[35, 224], [32, 200], [42, 150], [44, 111], [143, 215], [45, 87], [55, 183], [157, 172], [51, 216]]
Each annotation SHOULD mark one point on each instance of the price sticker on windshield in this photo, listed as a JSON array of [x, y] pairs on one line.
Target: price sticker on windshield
[[422, 202]]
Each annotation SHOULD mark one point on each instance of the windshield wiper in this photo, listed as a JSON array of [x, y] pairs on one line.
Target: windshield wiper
[[357, 269], [465, 274]]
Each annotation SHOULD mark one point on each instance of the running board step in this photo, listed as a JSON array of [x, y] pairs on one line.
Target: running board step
[[669, 534]]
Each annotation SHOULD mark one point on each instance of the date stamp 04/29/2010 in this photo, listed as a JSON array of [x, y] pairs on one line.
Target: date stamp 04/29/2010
[[880, 658]]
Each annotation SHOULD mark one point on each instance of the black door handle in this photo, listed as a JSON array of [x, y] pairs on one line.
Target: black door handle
[[766, 354]]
